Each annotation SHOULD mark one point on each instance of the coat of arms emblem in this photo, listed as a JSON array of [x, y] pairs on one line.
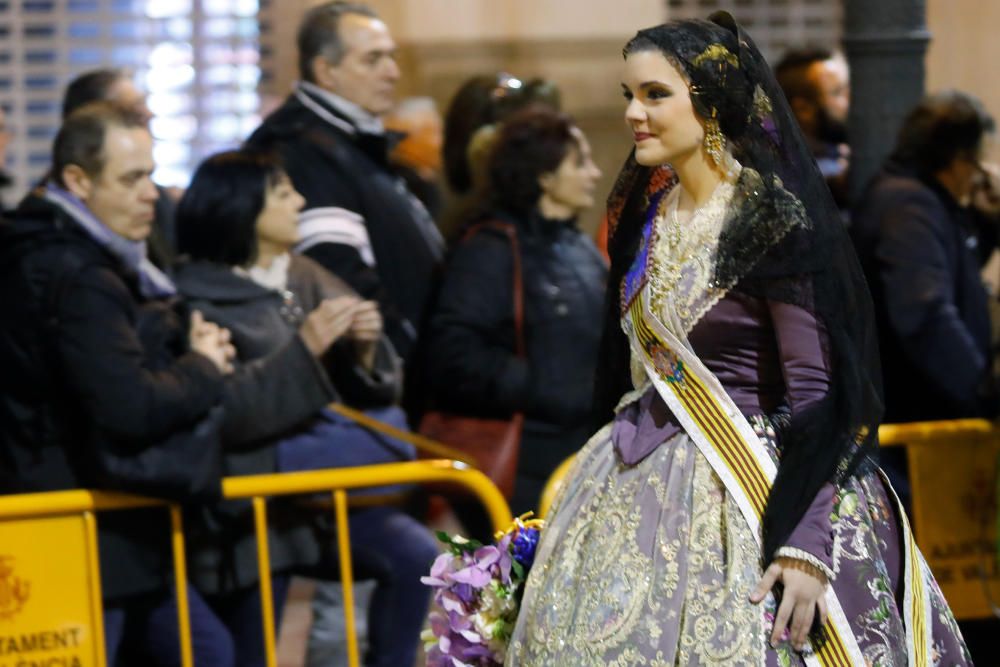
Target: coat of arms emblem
[[14, 591]]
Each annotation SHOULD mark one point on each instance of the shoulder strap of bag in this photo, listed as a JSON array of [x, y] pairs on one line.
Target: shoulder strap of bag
[[510, 231]]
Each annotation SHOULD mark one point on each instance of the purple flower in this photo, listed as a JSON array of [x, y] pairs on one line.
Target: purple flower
[[474, 585], [486, 556], [504, 561], [473, 575], [524, 546], [440, 570], [450, 602], [464, 592]]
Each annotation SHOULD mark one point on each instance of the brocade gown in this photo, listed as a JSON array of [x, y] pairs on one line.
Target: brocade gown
[[646, 559]]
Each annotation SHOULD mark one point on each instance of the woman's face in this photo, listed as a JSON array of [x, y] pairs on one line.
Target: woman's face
[[659, 111], [571, 186], [278, 222]]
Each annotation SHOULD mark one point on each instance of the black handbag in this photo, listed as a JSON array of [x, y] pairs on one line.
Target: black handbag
[[184, 467]]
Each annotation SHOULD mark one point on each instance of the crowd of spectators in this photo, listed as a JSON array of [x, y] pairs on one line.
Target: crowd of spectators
[[157, 341]]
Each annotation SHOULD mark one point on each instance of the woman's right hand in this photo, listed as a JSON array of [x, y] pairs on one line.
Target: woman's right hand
[[328, 322], [212, 341]]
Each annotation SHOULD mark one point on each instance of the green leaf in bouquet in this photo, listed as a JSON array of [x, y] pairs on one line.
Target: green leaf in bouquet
[[457, 544]]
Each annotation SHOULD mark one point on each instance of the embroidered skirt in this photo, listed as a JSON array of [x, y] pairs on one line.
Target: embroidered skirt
[[652, 564]]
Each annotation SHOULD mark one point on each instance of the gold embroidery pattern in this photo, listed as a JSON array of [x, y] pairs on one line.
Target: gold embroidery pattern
[[715, 52], [682, 263], [644, 565]]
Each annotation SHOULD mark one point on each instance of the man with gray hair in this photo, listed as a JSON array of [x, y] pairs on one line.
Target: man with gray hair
[[360, 221]]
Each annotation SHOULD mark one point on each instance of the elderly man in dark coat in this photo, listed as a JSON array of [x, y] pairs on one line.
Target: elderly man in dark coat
[[360, 222], [99, 365]]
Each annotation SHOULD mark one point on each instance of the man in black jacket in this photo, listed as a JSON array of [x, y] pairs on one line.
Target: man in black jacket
[[817, 85], [923, 229], [96, 363], [359, 221], [922, 246]]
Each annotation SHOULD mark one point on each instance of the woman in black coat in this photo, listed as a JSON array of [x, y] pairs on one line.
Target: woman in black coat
[[303, 339], [541, 177]]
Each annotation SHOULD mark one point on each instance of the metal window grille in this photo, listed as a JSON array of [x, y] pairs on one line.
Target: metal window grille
[[198, 60], [776, 25]]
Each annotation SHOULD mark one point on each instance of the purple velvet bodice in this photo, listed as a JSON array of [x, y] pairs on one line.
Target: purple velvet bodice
[[764, 353]]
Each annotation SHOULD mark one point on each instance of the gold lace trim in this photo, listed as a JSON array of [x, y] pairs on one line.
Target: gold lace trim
[[799, 559], [682, 263], [649, 565]]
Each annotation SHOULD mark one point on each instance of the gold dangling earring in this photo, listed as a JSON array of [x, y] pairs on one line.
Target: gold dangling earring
[[714, 141]]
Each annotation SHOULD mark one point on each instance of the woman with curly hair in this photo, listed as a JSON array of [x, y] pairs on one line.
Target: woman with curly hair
[[541, 177]]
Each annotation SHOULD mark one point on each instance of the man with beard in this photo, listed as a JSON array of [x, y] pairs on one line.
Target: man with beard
[[817, 86]]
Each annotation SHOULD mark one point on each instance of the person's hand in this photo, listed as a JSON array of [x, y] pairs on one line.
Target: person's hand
[[985, 196], [801, 598], [212, 341], [366, 330], [843, 157], [329, 321]]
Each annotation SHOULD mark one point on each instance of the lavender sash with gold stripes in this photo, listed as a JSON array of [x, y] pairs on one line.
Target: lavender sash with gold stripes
[[727, 440]]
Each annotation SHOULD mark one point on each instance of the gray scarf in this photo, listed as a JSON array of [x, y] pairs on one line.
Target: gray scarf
[[153, 283]]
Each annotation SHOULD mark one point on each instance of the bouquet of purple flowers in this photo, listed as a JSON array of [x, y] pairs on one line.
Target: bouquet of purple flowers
[[478, 590]]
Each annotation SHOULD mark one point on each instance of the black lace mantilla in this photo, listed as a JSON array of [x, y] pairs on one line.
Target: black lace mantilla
[[784, 242]]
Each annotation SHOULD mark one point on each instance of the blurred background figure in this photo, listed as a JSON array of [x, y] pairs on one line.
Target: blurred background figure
[[116, 85], [303, 339], [923, 229], [817, 85], [478, 105], [102, 362], [541, 177], [113, 85], [360, 222], [418, 129]]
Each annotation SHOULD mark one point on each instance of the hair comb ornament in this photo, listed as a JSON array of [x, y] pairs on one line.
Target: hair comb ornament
[[716, 52]]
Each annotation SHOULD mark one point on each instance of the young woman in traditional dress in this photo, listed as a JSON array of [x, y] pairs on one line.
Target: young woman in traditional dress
[[732, 511]]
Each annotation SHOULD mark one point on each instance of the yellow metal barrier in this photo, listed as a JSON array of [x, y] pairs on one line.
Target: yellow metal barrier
[[914, 433], [553, 485], [72, 627], [345, 479], [60, 614], [432, 448], [953, 469]]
